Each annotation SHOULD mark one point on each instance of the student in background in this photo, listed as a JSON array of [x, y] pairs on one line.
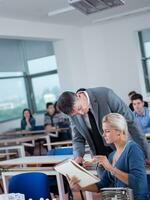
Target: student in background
[[54, 119], [141, 113], [28, 121], [49, 116], [28, 124], [125, 166], [130, 96]]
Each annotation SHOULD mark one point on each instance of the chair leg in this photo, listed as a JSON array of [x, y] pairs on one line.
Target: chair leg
[[81, 193], [1, 187]]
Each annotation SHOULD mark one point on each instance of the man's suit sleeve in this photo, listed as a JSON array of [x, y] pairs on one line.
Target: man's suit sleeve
[[118, 106], [78, 142]]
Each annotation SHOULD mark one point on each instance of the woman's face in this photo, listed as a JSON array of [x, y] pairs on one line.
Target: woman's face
[[26, 114], [110, 134]]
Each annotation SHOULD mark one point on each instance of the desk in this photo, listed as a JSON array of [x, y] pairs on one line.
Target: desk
[[34, 132], [67, 142], [22, 139], [20, 148], [36, 160], [25, 136], [3, 155]]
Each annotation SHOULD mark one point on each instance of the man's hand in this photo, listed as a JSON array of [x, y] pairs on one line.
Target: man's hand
[[79, 160]]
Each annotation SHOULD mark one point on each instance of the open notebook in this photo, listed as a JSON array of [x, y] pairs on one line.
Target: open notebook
[[71, 168]]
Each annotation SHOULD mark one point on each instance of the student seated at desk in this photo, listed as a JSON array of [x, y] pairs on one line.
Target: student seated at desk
[[53, 119], [125, 166], [141, 113], [28, 124], [131, 105]]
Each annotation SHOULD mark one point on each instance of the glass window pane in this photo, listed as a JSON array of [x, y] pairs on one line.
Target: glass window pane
[[42, 64], [147, 49], [9, 74], [12, 98], [46, 89]]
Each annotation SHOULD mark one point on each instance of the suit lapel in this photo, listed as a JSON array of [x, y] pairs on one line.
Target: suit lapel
[[82, 123], [96, 109]]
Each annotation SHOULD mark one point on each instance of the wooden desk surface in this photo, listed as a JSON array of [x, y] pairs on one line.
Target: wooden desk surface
[[25, 132], [3, 155], [35, 160], [59, 143], [22, 138]]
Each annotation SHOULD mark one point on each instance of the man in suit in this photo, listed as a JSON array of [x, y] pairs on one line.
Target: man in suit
[[91, 105]]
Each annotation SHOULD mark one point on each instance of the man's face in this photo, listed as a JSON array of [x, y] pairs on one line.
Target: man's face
[[138, 105], [51, 109], [81, 105]]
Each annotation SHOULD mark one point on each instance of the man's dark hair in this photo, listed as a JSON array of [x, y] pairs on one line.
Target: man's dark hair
[[81, 90], [49, 104], [66, 102], [132, 93], [136, 97]]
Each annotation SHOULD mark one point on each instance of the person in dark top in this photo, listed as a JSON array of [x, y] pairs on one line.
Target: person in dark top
[[131, 105], [124, 166], [28, 124], [54, 119], [28, 121]]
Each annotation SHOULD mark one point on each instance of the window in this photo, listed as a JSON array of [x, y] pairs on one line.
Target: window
[[46, 89], [12, 97], [42, 64], [34, 87], [144, 38]]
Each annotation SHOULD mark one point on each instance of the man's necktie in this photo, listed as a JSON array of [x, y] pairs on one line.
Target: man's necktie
[[101, 149]]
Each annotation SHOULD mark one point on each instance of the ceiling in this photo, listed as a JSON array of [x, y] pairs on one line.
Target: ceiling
[[61, 13]]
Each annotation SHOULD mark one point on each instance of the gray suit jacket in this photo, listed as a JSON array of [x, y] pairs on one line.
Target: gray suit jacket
[[105, 101]]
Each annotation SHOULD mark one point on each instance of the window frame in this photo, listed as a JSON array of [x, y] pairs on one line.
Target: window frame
[[29, 89], [14, 77], [144, 60]]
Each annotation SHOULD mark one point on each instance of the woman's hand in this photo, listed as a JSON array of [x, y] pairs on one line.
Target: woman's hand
[[74, 183], [102, 160]]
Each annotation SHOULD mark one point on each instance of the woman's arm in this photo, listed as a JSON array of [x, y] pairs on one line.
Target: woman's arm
[[102, 160], [122, 176]]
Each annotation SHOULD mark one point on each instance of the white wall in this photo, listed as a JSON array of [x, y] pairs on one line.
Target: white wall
[[105, 54], [112, 54], [68, 45]]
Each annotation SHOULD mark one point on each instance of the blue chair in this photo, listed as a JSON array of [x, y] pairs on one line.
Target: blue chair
[[61, 151], [33, 185]]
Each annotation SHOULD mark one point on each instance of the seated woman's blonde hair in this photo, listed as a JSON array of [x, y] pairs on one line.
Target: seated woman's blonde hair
[[117, 122]]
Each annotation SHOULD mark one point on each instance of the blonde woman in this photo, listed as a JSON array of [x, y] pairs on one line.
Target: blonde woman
[[125, 166]]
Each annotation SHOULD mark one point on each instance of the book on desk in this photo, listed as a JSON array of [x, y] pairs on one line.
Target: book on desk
[[71, 168]]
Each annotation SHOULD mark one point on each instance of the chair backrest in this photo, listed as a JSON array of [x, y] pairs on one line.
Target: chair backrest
[[33, 185], [61, 151]]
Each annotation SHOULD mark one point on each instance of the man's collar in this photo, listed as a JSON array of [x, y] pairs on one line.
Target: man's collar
[[141, 114], [88, 99]]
